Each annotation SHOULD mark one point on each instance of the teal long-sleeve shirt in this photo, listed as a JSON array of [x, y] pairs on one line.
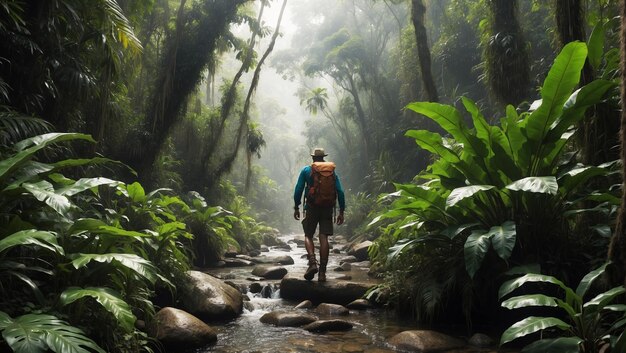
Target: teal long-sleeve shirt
[[306, 179]]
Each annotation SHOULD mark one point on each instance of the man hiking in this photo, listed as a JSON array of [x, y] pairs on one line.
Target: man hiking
[[322, 190]]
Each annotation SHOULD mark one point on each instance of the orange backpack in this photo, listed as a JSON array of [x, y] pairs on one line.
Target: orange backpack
[[323, 191]]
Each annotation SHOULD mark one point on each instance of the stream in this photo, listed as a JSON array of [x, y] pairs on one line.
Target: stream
[[246, 334]]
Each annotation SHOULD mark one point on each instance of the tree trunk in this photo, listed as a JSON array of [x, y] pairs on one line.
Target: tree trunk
[[423, 51], [506, 54], [617, 248]]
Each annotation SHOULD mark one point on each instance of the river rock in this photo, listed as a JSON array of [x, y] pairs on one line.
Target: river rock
[[336, 251], [328, 325], [332, 309], [289, 319], [481, 340], [343, 292], [360, 250], [348, 259], [306, 304], [283, 260], [269, 272], [424, 341], [210, 298], [344, 277], [359, 304], [346, 266], [255, 287], [264, 248], [236, 262], [176, 328]]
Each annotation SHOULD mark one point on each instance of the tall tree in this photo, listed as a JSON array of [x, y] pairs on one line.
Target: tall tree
[[507, 63], [617, 248], [423, 51], [188, 52]]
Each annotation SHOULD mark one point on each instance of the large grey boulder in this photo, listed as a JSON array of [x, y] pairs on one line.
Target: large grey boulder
[[209, 298], [283, 260], [336, 292], [178, 329], [359, 304], [360, 250], [328, 325], [269, 272], [424, 341], [332, 309], [290, 319]]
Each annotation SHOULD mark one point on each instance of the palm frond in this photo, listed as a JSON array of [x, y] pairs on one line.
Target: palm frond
[[15, 127]]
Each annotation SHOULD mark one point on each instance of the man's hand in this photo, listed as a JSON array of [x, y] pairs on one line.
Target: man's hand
[[340, 218], [296, 214]]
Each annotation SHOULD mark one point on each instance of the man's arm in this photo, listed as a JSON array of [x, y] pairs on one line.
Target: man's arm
[[297, 193], [341, 198]]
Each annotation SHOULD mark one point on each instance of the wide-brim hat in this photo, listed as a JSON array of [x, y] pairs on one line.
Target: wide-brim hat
[[318, 152]]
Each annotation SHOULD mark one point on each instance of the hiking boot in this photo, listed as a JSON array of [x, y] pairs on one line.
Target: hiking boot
[[321, 277], [312, 270]]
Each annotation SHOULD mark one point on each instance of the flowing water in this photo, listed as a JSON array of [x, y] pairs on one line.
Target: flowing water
[[247, 334]]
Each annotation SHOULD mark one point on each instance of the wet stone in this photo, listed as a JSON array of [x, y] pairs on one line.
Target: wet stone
[[352, 348], [332, 309], [255, 287], [288, 319], [306, 304], [481, 340], [328, 325], [359, 304], [269, 272]]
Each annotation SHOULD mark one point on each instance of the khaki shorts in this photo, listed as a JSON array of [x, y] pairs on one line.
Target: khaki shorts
[[318, 215]]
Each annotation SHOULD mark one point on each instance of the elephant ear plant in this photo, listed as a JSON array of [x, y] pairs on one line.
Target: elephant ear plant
[[583, 326]]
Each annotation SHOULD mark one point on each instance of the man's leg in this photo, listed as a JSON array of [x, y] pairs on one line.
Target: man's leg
[[324, 250], [310, 251]]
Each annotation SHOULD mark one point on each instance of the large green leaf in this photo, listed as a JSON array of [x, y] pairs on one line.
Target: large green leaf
[[596, 46], [455, 230], [27, 148], [543, 185], [461, 193], [44, 239], [579, 176], [44, 192], [433, 143], [554, 345], [509, 286], [588, 280], [85, 184], [141, 266], [475, 249], [39, 333], [557, 87], [503, 239], [530, 325], [524, 301], [97, 226], [602, 299], [451, 120], [108, 298], [136, 192], [397, 249]]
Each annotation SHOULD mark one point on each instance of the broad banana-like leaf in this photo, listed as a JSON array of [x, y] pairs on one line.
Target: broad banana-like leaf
[[453, 231], [603, 299], [5, 320], [509, 286], [85, 184], [553, 345], [524, 301], [475, 249], [588, 280], [543, 185], [451, 120], [397, 249], [575, 107], [108, 298], [557, 87], [596, 46], [44, 239], [44, 192], [28, 171], [503, 239], [579, 176], [97, 226], [39, 333], [458, 194], [433, 143], [530, 325], [28, 147], [141, 266]]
